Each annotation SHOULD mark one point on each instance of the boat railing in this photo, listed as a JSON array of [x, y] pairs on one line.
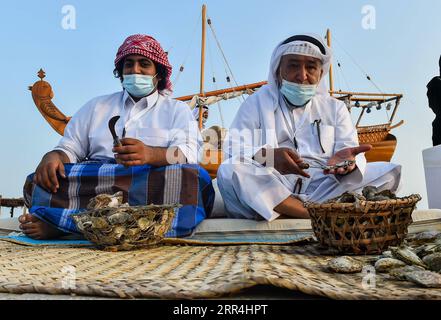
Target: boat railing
[[366, 101], [12, 204]]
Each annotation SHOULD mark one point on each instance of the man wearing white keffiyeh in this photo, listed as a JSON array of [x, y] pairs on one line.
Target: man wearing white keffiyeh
[[289, 121]]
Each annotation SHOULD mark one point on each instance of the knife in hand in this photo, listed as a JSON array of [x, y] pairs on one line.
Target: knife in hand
[[112, 122]]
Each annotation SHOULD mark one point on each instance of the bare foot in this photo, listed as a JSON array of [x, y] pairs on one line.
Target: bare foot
[[37, 229]]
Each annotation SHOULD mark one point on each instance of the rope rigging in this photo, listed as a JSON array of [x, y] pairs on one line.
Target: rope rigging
[[358, 65], [214, 81], [370, 105], [182, 66]]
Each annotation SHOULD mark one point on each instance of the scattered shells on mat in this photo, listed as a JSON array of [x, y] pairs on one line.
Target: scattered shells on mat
[[433, 261], [400, 273], [387, 254], [409, 261], [426, 249], [406, 255], [425, 236], [386, 264], [345, 264], [425, 278]]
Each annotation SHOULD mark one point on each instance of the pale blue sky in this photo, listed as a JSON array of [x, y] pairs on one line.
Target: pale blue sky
[[401, 54]]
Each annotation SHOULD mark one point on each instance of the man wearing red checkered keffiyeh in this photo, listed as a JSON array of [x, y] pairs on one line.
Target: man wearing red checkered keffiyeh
[[155, 130], [144, 47]]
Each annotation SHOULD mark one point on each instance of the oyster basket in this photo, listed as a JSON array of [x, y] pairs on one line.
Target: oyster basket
[[126, 228], [366, 227]]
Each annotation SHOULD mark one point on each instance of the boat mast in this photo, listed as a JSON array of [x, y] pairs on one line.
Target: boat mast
[[331, 81], [201, 90]]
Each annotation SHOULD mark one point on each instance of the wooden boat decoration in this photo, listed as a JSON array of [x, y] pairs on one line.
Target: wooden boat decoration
[[378, 135]]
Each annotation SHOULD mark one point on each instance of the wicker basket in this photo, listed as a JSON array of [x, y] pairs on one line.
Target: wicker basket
[[366, 227], [126, 228]]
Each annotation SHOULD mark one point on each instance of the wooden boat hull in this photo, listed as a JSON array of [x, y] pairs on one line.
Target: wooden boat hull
[[211, 161], [382, 150]]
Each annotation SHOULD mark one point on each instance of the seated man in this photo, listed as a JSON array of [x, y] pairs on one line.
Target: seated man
[[195, 113], [162, 132], [289, 121]]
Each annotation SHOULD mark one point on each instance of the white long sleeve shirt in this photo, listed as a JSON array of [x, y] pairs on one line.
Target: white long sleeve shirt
[[273, 131], [156, 120]]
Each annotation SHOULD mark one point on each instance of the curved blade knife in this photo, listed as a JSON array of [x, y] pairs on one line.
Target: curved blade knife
[[112, 122]]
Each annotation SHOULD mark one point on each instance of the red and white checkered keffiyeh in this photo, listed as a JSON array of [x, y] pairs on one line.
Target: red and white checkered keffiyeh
[[148, 47]]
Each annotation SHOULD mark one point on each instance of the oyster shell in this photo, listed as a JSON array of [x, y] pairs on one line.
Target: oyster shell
[[406, 255], [371, 193], [84, 225], [144, 223], [433, 261], [386, 264], [387, 193], [118, 231], [400, 273], [345, 264], [119, 218], [131, 233], [99, 223], [106, 200], [347, 197], [387, 254], [427, 249], [425, 278], [424, 237]]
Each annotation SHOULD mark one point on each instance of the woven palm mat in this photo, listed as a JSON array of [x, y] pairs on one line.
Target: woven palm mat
[[187, 272]]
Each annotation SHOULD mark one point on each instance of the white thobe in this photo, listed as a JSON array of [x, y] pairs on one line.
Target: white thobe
[[251, 191], [156, 120]]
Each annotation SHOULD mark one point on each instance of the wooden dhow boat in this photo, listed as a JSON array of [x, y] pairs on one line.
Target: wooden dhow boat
[[378, 135]]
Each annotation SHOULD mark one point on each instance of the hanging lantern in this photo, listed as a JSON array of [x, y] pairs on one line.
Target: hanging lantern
[[378, 106], [357, 104], [368, 110], [388, 106]]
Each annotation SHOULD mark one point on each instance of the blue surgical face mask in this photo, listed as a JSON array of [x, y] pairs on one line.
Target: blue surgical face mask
[[138, 85], [298, 94]]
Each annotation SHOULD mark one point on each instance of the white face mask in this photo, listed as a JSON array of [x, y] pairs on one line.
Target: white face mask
[[138, 85], [298, 94]]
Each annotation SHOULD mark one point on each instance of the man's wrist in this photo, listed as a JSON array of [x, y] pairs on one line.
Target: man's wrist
[[147, 154], [57, 153]]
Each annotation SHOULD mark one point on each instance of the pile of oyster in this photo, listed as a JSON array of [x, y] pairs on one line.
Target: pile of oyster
[[418, 260], [369, 193], [115, 225]]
